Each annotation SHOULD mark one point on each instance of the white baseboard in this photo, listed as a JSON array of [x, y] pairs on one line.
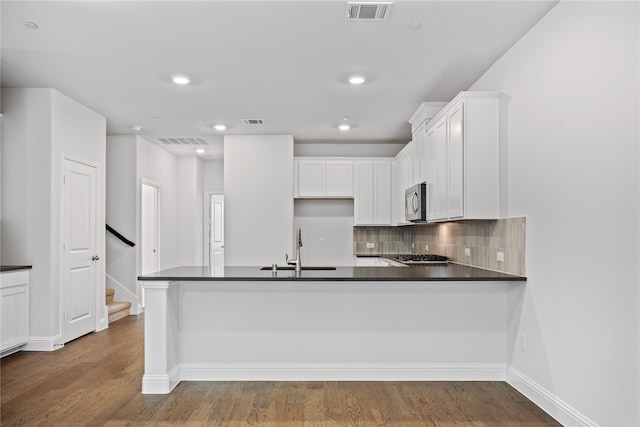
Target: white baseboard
[[547, 401], [160, 384], [43, 343], [342, 372], [124, 294]]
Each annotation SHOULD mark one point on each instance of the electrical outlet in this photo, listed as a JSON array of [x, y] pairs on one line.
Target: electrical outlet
[[371, 245], [500, 256], [523, 342], [426, 248], [467, 251], [321, 241]]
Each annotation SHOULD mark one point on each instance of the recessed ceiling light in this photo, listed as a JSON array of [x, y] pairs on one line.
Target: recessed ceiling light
[[220, 127], [200, 150], [357, 79], [30, 25], [155, 118], [344, 127], [136, 128], [181, 80], [415, 26]]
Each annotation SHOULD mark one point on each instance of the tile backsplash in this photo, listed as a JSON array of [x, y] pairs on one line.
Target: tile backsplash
[[483, 239]]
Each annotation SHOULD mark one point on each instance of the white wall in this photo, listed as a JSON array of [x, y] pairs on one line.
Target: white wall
[[39, 126], [258, 181], [573, 171], [331, 220], [26, 194], [213, 176], [122, 215], [189, 211]]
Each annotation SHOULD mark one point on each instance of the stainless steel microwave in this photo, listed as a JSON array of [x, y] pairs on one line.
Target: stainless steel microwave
[[415, 203]]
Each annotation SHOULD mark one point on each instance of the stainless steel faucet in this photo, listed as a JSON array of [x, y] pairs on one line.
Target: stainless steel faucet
[[296, 261]]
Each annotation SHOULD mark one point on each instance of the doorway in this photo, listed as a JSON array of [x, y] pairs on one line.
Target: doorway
[[149, 230], [79, 258], [216, 233]]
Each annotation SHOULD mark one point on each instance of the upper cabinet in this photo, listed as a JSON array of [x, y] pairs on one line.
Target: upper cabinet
[[372, 192], [323, 178], [464, 148], [419, 121]]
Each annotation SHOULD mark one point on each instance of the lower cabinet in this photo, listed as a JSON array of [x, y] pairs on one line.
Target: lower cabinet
[[14, 310], [372, 192]]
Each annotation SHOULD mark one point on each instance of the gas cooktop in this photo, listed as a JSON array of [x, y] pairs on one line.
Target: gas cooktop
[[422, 259]]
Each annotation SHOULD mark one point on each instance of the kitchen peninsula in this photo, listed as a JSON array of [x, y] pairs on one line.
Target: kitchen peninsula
[[445, 322]]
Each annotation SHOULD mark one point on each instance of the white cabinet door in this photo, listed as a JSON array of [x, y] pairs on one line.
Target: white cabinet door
[[382, 192], [363, 193], [311, 178], [339, 178], [372, 192], [14, 309], [323, 178], [437, 171], [455, 163], [419, 155]]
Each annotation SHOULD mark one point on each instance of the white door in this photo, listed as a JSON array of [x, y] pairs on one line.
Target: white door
[[79, 259], [149, 228], [216, 234]]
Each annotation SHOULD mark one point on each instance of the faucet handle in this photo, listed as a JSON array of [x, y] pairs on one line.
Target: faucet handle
[[286, 258]]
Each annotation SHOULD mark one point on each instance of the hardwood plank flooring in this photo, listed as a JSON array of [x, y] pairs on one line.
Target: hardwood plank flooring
[[96, 379]]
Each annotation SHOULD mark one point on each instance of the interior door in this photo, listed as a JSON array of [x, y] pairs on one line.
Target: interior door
[[149, 228], [216, 234], [79, 259]]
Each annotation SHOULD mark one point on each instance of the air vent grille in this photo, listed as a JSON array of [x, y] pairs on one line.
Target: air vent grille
[[182, 141], [252, 121], [368, 11]]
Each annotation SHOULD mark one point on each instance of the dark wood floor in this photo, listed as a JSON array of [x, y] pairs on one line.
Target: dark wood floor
[[95, 381]]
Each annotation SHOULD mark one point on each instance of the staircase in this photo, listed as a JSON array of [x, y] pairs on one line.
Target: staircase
[[117, 310]]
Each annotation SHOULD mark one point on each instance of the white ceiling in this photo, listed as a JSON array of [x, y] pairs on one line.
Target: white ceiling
[[281, 61]]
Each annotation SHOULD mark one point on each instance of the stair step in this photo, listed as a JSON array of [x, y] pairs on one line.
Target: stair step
[[109, 294], [118, 310]]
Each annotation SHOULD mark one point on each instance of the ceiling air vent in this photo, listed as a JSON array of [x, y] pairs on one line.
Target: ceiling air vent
[[368, 11], [252, 121], [182, 141]]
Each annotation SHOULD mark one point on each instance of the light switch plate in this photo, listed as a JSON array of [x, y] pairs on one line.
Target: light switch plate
[[371, 245], [467, 252], [500, 256]]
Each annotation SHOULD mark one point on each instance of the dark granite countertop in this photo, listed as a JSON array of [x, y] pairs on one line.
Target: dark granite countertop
[[5, 268], [415, 273]]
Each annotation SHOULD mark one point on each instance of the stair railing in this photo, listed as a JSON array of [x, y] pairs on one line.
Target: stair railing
[[120, 236]]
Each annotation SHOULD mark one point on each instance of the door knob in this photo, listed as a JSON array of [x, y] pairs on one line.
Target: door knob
[[95, 258]]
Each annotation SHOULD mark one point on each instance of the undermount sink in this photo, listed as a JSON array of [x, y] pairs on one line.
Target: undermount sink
[[292, 267]]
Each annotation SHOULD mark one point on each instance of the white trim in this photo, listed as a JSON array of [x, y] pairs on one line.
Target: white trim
[[160, 384], [341, 372], [43, 343], [547, 401]]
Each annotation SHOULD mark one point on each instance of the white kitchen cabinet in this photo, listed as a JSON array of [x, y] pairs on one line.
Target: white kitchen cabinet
[[323, 178], [419, 122], [403, 174], [14, 310], [464, 146], [372, 192]]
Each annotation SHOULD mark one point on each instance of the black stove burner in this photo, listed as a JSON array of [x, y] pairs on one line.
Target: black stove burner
[[423, 258]]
